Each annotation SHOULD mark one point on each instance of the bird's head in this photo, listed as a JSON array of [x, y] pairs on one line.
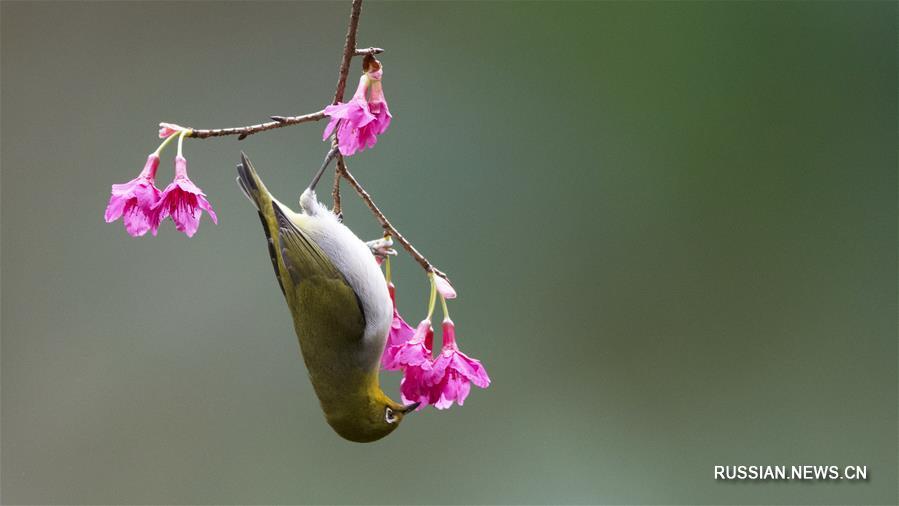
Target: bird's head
[[372, 418]]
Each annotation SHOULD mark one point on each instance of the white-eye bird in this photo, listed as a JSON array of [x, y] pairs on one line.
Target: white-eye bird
[[340, 305]]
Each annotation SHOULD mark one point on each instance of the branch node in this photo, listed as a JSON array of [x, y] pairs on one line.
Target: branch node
[[368, 50], [349, 48]]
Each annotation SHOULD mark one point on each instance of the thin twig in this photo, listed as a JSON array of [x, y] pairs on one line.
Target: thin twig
[[243, 132], [349, 50], [335, 191], [368, 50], [385, 223]]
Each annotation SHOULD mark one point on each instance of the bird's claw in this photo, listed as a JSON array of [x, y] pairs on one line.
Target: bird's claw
[[381, 248]]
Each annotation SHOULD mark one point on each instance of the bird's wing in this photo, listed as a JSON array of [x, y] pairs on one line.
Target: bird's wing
[[311, 283], [319, 288], [301, 255]]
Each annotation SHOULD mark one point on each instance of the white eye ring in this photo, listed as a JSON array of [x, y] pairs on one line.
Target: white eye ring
[[390, 416]]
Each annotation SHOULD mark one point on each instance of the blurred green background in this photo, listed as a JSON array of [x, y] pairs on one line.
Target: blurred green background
[[673, 227]]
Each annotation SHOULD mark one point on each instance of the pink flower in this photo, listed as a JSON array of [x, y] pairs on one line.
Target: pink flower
[[167, 129], [377, 102], [417, 350], [135, 200], [184, 201], [413, 388], [400, 333], [452, 388], [415, 359], [452, 372], [360, 121]]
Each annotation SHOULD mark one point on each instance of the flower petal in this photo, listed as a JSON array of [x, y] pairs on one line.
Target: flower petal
[[399, 334], [470, 368], [183, 201], [330, 128], [167, 129], [444, 287], [206, 206], [360, 121], [137, 223], [412, 389], [134, 201], [115, 208]]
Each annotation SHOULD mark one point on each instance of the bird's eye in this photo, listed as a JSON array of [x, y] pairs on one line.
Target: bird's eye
[[390, 416]]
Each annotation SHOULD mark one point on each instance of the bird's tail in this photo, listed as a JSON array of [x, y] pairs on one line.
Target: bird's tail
[[251, 186]]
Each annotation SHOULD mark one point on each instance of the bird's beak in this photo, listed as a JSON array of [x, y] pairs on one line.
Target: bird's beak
[[410, 407]]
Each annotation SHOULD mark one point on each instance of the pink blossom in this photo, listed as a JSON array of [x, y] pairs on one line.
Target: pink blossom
[[376, 101], [451, 373], [360, 121], [444, 287], [415, 359], [452, 388], [184, 201], [413, 388], [167, 129], [400, 333], [417, 350], [135, 201]]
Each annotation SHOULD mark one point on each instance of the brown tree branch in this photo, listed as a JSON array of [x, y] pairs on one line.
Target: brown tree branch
[[335, 192], [349, 50], [385, 223], [368, 50], [243, 132]]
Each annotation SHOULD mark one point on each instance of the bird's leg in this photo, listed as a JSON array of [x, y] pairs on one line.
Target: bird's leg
[[318, 175]]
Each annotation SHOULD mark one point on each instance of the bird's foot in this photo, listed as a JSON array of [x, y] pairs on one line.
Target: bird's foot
[[381, 248]]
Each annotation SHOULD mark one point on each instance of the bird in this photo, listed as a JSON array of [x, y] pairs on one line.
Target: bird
[[340, 305]]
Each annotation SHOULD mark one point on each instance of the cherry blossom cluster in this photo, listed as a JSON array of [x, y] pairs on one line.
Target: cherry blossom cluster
[[142, 206], [439, 380]]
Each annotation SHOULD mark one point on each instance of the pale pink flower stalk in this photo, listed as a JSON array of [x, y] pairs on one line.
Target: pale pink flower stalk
[[184, 201], [360, 121], [134, 201], [452, 372]]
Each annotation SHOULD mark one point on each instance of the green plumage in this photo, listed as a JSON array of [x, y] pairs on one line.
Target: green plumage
[[328, 319]]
